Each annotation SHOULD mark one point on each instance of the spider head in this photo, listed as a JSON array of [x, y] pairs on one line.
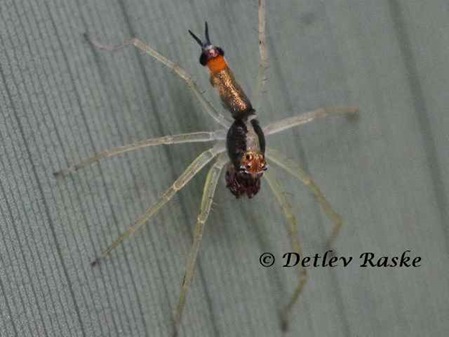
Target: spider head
[[208, 50], [246, 178], [253, 163]]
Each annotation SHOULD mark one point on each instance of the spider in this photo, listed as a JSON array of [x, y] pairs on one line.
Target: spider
[[239, 146]]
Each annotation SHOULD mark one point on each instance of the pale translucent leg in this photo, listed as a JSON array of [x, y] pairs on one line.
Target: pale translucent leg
[[165, 140], [206, 203], [294, 241], [307, 117], [182, 180], [221, 119], [263, 54], [295, 170]]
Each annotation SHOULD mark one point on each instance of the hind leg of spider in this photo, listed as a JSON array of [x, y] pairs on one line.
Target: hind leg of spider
[[290, 122], [295, 170], [206, 204], [179, 183], [165, 140], [207, 106], [293, 235], [263, 54]]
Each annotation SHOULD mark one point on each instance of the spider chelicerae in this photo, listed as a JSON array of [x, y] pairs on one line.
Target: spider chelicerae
[[239, 145]]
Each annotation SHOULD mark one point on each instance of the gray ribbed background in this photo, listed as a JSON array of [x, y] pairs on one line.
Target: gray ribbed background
[[387, 174]]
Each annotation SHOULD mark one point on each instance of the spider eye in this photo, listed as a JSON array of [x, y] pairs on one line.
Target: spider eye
[[249, 157]]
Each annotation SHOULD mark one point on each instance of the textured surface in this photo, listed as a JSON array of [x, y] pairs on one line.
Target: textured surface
[[387, 174]]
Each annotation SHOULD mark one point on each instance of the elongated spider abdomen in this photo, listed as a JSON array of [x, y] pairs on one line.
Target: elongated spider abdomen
[[231, 94]]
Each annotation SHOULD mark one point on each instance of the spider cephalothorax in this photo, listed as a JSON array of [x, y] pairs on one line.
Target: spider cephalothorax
[[245, 142]]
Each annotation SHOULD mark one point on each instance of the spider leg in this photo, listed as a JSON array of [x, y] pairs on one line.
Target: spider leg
[[206, 204], [207, 106], [294, 241], [307, 117], [263, 54], [179, 183], [295, 170], [166, 140]]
